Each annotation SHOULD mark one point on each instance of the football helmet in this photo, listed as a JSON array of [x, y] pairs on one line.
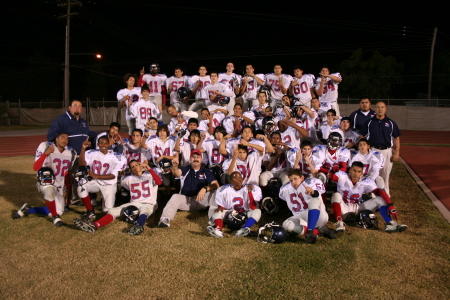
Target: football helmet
[[334, 140], [182, 93], [271, 233], [134, 98], [82, 175], [131, 214], [45, 176], [154, 68], [269, 205], [366, 219], [268, 124], [224, 100], [165, 165], [235, 220], [217, 171]]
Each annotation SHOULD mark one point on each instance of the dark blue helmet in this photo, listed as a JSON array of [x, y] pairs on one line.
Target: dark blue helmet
[[131, 214], [82, 175], [165, 165], [235, 220], [366, 219], [182, 93], [271, 233], [45, 176]]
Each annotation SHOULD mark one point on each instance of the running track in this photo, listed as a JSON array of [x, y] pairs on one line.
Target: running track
[[430, 163]]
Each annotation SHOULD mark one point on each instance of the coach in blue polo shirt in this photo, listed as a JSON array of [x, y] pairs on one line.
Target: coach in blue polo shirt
[[384, 135], [198, 187]]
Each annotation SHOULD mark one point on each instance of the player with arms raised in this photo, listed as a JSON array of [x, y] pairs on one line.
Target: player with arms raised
[[302, 87], [157, 85]]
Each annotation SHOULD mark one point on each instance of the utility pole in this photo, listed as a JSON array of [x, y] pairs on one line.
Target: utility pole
[[430, 74], [67, 51]]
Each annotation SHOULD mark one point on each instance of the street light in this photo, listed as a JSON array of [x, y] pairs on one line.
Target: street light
[[67, 73]]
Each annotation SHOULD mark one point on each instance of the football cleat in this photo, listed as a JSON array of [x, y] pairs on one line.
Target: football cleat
[[392, 226], [327, 232], [135, 230], [310, 237], [23, 211], [163, 223], [243, 232], [57, 221], [89, 216], [214, 232], [340, 226], [87, 226]]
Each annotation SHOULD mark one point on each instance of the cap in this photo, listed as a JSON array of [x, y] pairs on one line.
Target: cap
[[345, 118], [195, 151]]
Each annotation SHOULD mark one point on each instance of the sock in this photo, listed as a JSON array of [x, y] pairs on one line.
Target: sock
[[249, 223], [313, 217], [142, 219], [87, 202], [104, 221], [51, 205], [218, 223], [337, 211], [305, 229], [384, 214], [39, 210]]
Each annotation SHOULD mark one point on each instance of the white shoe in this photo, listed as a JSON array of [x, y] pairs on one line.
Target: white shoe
[[163, 223], [214, 232], [392, 226], [243, 232], [340, 226]]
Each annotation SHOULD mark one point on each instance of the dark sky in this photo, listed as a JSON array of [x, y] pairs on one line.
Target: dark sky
[[131, 34]]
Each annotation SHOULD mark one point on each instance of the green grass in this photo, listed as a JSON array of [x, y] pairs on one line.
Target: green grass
[[40, 261]]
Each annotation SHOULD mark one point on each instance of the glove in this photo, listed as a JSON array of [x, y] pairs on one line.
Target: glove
[[393, 212], [335, 168]]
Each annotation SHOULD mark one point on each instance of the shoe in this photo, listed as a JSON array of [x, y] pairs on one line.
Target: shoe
[[23, 211], [135, 230], [392, 226], [66, 209], [211, 222], [79, 203], [57, 221], [89, 216], [243, 232], [214, 232], [163, 223], [310, 237], [327, 232], [87, 226], [340, 226]]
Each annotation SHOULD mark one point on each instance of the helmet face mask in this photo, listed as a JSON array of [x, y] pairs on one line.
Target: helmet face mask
[[45, 176], [82, 175], [366, 219], [271, 233], [268, 124], [235, 220], [182, 93], [131, 214], [154, 68], [334, 140], [165, 165]]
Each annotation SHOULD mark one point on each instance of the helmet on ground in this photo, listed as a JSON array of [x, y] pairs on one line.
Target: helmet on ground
[[235, 220], [45, 176], [366, 219], [131, 214], [334, 140], [271, 233]]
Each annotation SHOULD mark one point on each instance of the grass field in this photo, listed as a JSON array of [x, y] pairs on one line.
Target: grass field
[[40, 261]]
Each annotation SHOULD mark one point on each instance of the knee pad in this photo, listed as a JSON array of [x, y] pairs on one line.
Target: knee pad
[[265, 178], [49, 193], [336, 198], [255, 214], [315, 203], [380, 182]]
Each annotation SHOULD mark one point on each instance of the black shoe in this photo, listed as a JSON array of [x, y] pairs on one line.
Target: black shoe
[[135, 230], [310, 237], [57, 221], [89, 216], [327, 232], [87, 226], [23, 211]]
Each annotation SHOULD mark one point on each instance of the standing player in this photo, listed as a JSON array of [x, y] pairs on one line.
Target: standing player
[[236, 197], [143, 187], [347, 201], [196, 85], [250, 87], [144, 109], [129, 94], [279, 85], [53, 162], [218, 88], [104, 167], [157, 85], [327, 89], [302, 87], [173, 84], [234, 82], [309, 214]]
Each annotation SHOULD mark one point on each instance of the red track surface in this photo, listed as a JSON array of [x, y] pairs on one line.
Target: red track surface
[[431, 163]]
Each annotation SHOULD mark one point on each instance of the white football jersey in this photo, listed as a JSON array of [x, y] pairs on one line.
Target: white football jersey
[[142, 111], [155, 83], [133, 152], [229, 198], [302, 90], [231, 143], [221, 87], [273, 81], [200, 94], [309, 124], [280, 165], [104, 164], [59, 162], [330, 89], [174, 83], [126, 92], [173, 124], [341, 155], [228, 122], [316, 158], [156, 147], [291, 136], [353, 193], [142, 188], [229, 80], [250, 168], [372, 161], [252, 88], [218, 116], [297, 200], [211, 147]]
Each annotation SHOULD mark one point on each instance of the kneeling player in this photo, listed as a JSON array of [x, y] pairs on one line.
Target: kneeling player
[[143, 187], [53, 162], [309, 214], [238, 197], [348, 199]]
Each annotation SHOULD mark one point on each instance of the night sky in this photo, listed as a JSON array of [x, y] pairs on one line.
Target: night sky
[[131, 34]]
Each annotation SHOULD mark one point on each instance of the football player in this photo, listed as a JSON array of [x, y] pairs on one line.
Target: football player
[[132, 149], [276, 163], [234, 123], [302, 87], [372, 161], [347, 201], [234, 82], [309, 214], [305, 159], [250, 87], [129, 94], [144, 109], [248, 163], [157, 85], [53, 162], [291, 133], [327, 89], [196, 85], [143, 187], [279, 85], [173, 83], [236, 197], [115, 139]]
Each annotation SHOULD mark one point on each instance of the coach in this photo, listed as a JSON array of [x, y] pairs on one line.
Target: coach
[[197, 188], [362, 115], [384, 135]]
